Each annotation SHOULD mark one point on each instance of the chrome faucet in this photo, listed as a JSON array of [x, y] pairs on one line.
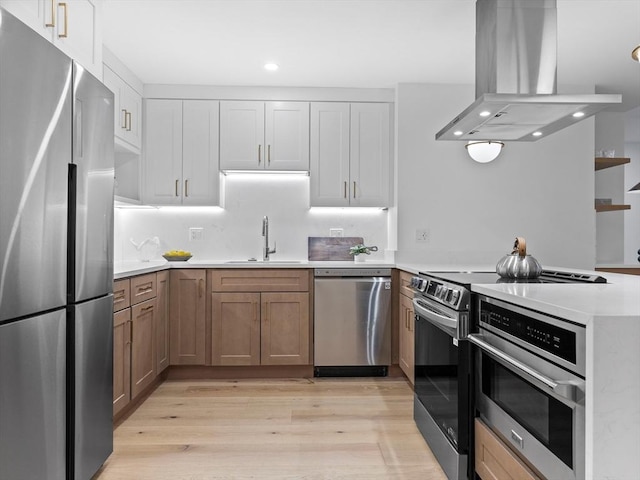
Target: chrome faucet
[[266, 251]]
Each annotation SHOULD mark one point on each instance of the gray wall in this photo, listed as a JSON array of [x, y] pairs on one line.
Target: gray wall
[[543, 190]]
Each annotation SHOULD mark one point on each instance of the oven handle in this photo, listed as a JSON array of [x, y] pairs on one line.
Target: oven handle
[[564, 389], [433, 316]]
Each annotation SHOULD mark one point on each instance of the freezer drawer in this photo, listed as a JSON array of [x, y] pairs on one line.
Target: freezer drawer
[[32, 398], [352, 321], [91, 426]]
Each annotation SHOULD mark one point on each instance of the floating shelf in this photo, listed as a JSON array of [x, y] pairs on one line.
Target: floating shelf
[[608, 162], [611, 208]]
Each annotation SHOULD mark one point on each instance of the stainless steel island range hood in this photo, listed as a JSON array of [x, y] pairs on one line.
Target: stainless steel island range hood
[[516, 58]]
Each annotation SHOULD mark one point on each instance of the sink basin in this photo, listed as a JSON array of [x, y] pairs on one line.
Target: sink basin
[[269, 262]]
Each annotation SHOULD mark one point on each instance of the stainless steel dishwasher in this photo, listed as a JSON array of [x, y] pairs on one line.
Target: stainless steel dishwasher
[[352, 321]]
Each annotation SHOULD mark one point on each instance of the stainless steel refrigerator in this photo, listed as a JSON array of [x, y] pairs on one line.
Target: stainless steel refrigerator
[[56, 261]]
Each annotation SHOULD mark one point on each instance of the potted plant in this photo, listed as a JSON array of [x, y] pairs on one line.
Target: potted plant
[[358, 250]]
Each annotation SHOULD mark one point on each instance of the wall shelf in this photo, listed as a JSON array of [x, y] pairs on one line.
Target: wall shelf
[[607, 162], [611, 208]]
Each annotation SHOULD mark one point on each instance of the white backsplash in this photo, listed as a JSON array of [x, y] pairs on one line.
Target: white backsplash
[[235, 231]]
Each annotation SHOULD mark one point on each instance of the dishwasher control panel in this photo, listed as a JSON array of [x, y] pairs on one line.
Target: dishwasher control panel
[[352, 272]]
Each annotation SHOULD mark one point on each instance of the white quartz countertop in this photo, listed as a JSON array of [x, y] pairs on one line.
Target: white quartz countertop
[[128, 269], [580, 303]]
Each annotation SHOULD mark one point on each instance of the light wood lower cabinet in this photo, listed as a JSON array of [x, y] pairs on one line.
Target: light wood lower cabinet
[[143, 359], [162, 321], [406, 324], [121, 359], [284, 329], [495, 460], [235, 328], [260, 317], [187, 323]]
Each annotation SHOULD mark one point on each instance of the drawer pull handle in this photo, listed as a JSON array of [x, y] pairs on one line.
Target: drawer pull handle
[[147, 308]]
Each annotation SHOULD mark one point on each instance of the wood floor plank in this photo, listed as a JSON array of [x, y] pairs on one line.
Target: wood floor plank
[[318, 429]]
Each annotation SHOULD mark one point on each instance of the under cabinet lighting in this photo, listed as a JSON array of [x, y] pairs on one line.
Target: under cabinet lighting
[[578, 115], [536, 134]]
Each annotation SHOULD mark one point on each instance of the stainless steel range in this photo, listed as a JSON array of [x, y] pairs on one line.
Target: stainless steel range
[[445, 378]]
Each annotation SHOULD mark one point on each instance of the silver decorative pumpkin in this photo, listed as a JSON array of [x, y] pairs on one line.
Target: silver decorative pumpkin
[[519, 265]]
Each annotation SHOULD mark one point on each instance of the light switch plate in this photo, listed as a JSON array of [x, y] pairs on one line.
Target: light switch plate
[[336, 232]]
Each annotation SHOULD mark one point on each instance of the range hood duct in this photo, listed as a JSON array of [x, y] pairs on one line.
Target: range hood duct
[[516, 70]]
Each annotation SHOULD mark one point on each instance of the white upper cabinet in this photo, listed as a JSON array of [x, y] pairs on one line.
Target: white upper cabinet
[[350, 155], [127, 110], [181, 152], [369, 165], [264, 135], [73, 26]]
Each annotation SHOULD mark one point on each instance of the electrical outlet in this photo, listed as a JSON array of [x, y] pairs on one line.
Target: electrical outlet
[[336, 232], [196, 234], [422, 235]]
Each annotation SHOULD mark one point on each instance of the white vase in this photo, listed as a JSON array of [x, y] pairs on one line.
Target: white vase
[[359, 258]]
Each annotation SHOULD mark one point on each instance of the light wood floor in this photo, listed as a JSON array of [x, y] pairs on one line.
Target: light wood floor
[[308, 429]]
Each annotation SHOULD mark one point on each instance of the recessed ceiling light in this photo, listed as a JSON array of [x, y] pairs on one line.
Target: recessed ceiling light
[[272, 67], [536, 134], [578, 114], [485, 113], [457, 133]]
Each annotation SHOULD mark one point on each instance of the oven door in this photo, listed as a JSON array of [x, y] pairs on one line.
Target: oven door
[[442, 370], [536, 407]]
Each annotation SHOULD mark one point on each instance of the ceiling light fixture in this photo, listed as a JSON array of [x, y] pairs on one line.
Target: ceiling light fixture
[[484, 151], [457, 133], [271, 67], [635, 53]]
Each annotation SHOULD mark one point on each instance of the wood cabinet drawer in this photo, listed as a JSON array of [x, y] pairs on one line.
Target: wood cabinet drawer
[[246, 280], [495, 460], [143, 287], [121, 294], [405, 281]]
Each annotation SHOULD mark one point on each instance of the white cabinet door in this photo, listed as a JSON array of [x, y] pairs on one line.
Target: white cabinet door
[[370, 172], [130, 115], [127, 110], [40, 15], [350, 155], [162, 172], [241, 135], [72, 25], [287, 136], [77, 33], [329, 164], [200, 166], [264, 135]]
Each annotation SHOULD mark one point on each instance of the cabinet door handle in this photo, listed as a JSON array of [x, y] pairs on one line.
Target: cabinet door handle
[[127, 120], [269, 154], [200, 288], [354, 189], [124, 119], [128, 342], [53, 15], [177, 181], [345, 189], [186, 188], [147, 308], [255, 311], [63, 5], [259, 154]]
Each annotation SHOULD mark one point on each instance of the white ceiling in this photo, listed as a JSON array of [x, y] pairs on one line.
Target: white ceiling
[[354, 43]]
